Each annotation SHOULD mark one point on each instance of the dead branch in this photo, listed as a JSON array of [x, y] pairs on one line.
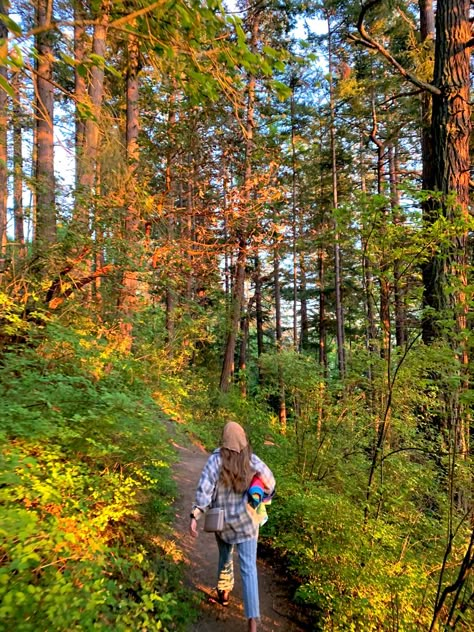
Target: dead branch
[[70, 266], [78, 284]]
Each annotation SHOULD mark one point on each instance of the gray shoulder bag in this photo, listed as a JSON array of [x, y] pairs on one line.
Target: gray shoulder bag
[[214, 518]]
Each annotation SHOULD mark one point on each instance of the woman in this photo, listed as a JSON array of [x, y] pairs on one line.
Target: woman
[[224, 483]]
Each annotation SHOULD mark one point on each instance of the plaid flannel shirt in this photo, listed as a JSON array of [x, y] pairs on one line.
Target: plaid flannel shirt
[[238, 523]]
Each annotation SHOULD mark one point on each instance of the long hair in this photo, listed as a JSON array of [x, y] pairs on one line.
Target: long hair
[[236, 472]]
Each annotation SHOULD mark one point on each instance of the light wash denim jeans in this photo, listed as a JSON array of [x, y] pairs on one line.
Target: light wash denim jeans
[[247, 552]]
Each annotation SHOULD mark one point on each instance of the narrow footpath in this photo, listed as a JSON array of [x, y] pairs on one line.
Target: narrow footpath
[[278, 613]]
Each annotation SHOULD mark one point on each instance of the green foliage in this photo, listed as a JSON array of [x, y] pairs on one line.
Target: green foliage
[[365, 557], [85, 491]]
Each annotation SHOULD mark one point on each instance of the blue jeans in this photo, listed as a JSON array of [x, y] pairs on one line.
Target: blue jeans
[[247, 552]]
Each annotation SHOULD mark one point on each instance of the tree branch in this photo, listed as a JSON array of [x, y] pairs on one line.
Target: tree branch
[[78, 284], [368, 40], [55, 284]]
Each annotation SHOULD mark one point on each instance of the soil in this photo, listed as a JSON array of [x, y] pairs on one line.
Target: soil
[[278, 613]]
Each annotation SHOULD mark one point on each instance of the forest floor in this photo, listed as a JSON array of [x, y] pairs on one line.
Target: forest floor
[[278, 613]]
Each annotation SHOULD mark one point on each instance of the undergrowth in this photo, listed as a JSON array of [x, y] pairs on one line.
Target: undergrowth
[[85, 490], [364, 557]]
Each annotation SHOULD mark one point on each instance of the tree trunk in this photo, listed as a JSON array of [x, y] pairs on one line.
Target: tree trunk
[[3, 138], [450, 132], [384, 281], [258, 306], [323, 354], [304, 340], [80, 88], [190, 232], [18, 211], [427, 31], [238, 293], [294, 217], [45, 234], [399, 300], [341, 356], [227, 266], [445, 275], [244, 339], [367, 276], [279, 340], [171, 222], [238, 289], [132, 221], [87, 154]]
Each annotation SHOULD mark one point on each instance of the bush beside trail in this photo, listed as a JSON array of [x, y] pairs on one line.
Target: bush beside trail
[[85, 491]]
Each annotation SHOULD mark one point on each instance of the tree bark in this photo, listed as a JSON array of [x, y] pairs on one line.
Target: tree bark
[[171, 222], [3, 138], [399, 299], [279, 339], [80, 87], [45, 234], [384, 282], [128, 297], [227, 266], [189, 230], [242, 236], [323, 354], [18, 210], [340, 335], [258, 305], [237, 297], [244, 339], [450, 132], [294, 217], [89, 130]]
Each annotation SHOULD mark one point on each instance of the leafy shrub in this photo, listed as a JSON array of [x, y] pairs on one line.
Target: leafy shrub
[[85, 492]]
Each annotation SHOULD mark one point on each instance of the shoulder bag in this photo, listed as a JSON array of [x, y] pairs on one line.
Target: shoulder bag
[[214, 518]]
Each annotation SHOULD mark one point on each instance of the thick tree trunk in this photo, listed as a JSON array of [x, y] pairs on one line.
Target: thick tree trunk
[[45, 234], [445, 275], [450, 132]]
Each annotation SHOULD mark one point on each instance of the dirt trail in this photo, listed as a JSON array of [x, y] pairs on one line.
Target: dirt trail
[[278, 614]]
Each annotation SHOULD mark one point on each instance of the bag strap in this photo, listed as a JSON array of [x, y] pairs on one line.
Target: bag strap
[[214, 493]]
